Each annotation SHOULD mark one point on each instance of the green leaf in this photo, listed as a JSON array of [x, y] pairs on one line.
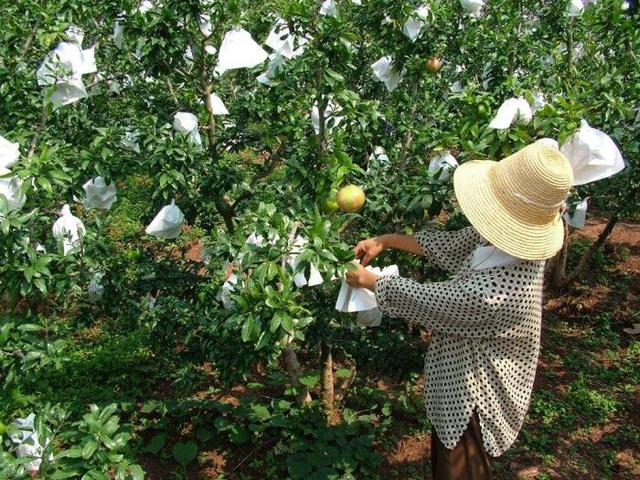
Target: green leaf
[[89, 449], [276, 320], [247, 328], [343, 373], [44, 183], [259, 413], [184, 452], [71, 453], [310, 380], [156, 443], [287, 323], [136, 472]]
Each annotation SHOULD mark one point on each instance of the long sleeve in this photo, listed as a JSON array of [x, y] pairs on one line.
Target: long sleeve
[[448, 250], [489, 303]]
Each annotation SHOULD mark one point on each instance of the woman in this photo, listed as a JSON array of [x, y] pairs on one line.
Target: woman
[[486, 319]]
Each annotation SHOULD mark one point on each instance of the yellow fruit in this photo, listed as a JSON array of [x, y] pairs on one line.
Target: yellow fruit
[[350, 199], [434, 64]]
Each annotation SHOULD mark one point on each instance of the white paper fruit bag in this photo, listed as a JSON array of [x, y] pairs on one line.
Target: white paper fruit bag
[[167, 223], [68, 229], [592, 154]]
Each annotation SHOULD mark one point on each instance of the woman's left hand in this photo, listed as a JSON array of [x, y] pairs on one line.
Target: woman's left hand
[[361, 278]]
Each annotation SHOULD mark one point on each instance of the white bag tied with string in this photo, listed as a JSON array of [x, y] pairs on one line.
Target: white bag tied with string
[[186, 123], [118, 34], [330, 113], [146, 6], [417, 23], [473, 7], [329, 8], [188, 56], [275, 61], [281, 40], [95, 290], [384, 71], [74, 34], [378, 159], [216, 105], [130, 141], [9, 153], [539, 101], [575, 8], [299, 278], [10, 189], [224, 294], [444, 163], [511, 111], [98, 194], [68, 229], [593, 155], [68, 92], [239, 50], [204, 24], [27, 443], [64, 67], [577, 217], [351, 299], [456, 87], [167, 223]]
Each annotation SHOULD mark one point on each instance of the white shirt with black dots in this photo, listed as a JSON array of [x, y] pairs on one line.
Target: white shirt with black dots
[[485, 325]]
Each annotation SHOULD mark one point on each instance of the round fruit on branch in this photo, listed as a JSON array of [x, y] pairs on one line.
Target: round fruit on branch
[[434, 64], [350, 199]]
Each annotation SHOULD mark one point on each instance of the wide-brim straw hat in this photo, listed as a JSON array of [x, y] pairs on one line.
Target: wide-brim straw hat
[[518, 202]]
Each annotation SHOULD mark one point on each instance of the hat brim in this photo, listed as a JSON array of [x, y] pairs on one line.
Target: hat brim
[[528, 241]]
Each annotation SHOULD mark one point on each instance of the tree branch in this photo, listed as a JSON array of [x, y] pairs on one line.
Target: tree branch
[[39, 129]]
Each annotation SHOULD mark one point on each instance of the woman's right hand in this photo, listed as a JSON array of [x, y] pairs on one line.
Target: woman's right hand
[[368, 249]]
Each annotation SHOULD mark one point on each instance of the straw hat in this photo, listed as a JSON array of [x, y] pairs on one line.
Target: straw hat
[[517, 203]]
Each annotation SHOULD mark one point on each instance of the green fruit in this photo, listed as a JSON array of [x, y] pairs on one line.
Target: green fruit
[[350, 199], [329, 206]]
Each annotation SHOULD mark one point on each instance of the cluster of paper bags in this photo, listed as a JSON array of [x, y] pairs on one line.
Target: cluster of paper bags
[[64, 68]]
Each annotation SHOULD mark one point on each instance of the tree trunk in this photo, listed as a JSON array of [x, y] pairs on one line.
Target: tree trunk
[[408, 137], [343, 387], [327, 377], [586, 257], [292, 367], [559, 278]]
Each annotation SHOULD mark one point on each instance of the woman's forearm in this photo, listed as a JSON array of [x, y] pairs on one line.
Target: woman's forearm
[[406, 243]]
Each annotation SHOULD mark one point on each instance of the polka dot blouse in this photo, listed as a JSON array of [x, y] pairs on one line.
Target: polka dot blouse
[[485, 327]]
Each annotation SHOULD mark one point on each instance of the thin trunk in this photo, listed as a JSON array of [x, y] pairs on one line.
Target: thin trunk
[[291, 364], [226, 212], [586, 257], [211, 120], [343, 387], [292, 367], [39, 129], [27, 44], [560, 261], [327, 377], [408, 137], [172, 92], [322, 105]]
